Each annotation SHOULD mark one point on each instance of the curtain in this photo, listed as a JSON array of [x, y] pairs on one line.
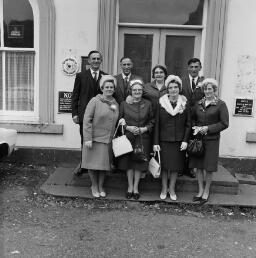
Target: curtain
[[19, 74], [106, 33], [215, 37]]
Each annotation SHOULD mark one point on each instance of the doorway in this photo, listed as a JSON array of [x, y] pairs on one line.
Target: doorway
[[150, 46]]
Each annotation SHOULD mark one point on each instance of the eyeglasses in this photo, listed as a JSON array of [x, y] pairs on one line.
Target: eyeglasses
[[136, 89]]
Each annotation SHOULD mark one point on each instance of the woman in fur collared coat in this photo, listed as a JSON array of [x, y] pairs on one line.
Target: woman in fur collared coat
[[172, 130]]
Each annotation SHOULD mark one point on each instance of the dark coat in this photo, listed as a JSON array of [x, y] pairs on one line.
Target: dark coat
[[85, 88], [121, 93], [172, 128], [152, 93], [192, 96], [215, 116]]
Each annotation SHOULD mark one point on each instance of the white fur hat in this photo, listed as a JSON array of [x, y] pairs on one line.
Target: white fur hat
[[106, 78], [173, 78]]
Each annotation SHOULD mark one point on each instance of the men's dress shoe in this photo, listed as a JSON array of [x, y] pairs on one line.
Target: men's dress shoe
[[95, 193], [103, 194], [203, 201], [197, 198], [136, 196], [173, 197], [129, 195], [163, 196]]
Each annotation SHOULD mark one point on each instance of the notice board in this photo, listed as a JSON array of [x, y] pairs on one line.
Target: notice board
[[64, 102], [243, 107]]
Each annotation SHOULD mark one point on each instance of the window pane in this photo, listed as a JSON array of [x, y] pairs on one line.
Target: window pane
[[179, 49], [182, 12], [18, 24], [139, 49], [19, 81]]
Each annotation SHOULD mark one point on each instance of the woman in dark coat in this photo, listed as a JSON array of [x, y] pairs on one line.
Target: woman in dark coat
[[138, 119], [210, 117], [156, 89], [172, 130]]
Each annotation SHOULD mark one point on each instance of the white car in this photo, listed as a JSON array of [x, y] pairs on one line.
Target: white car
[[8, 138]]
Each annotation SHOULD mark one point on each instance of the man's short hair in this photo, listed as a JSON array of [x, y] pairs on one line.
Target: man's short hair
[[94, 51], [194, 60], [125, 57]]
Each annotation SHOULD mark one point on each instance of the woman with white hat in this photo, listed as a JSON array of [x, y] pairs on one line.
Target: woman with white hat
[[172, 130], [99, 123]]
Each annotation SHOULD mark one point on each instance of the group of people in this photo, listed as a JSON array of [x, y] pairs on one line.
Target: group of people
[[161, 115]]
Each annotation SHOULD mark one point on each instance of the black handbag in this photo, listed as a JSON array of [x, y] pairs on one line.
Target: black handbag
[[138, 153], [196, 147]]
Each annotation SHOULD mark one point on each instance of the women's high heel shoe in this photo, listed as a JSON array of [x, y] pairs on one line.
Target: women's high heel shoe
[[163, 196], [173, 197], [95, 193]]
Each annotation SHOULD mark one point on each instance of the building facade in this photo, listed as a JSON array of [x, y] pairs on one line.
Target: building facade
[[45, 42]]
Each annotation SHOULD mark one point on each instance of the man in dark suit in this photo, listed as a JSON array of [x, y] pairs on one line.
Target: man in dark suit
[[192, 91], [123, 79], [190, 88], [86, 87]]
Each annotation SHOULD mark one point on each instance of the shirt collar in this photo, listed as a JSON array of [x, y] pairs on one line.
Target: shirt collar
[[195, 78], [124, 76], [92, 72]]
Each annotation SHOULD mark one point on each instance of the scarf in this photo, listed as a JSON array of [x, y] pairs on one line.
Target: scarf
[[111, 103], [166, 104]]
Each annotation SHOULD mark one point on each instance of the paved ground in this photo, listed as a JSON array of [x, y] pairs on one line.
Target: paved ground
[[35, 224], [226, 190]]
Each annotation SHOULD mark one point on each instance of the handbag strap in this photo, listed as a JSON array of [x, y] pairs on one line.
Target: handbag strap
[[122, 128], [158, 156]]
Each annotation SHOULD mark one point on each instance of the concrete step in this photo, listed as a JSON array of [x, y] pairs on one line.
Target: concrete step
[[223, 181]]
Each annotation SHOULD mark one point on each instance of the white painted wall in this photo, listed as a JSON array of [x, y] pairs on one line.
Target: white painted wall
[[240, 40], [76, 35]]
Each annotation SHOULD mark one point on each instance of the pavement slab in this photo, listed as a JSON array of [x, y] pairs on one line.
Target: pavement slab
[[245, 179], [63, 183]]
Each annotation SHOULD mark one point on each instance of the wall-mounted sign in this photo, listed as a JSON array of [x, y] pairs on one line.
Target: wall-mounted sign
[[16, 31], [64, 105], [243, 107], [70, 66]]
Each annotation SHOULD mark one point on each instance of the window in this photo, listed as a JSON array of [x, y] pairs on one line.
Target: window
[[18, 62]]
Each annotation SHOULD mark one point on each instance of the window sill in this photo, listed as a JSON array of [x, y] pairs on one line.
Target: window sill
[[34, 128], [251, 137]]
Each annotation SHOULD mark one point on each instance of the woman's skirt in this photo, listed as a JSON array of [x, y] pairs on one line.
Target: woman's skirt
[[171, 157], [126, 162], [209, 161], [98, 157]]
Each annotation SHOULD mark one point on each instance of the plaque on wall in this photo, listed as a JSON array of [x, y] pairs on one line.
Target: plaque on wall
[[70, 66], [64, 102], [243, 107]]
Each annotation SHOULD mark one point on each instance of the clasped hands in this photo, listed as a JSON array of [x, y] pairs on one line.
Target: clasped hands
[[200, 129], [131, 128]]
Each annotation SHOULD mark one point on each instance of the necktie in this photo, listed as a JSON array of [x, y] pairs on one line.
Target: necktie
[[193, 84], [126, 84], [95, 76]]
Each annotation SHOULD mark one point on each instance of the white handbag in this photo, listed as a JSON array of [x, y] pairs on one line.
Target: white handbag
[[154, 166], [121, 145]]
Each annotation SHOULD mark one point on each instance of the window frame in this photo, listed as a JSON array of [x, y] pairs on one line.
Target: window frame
[[15, 115]]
